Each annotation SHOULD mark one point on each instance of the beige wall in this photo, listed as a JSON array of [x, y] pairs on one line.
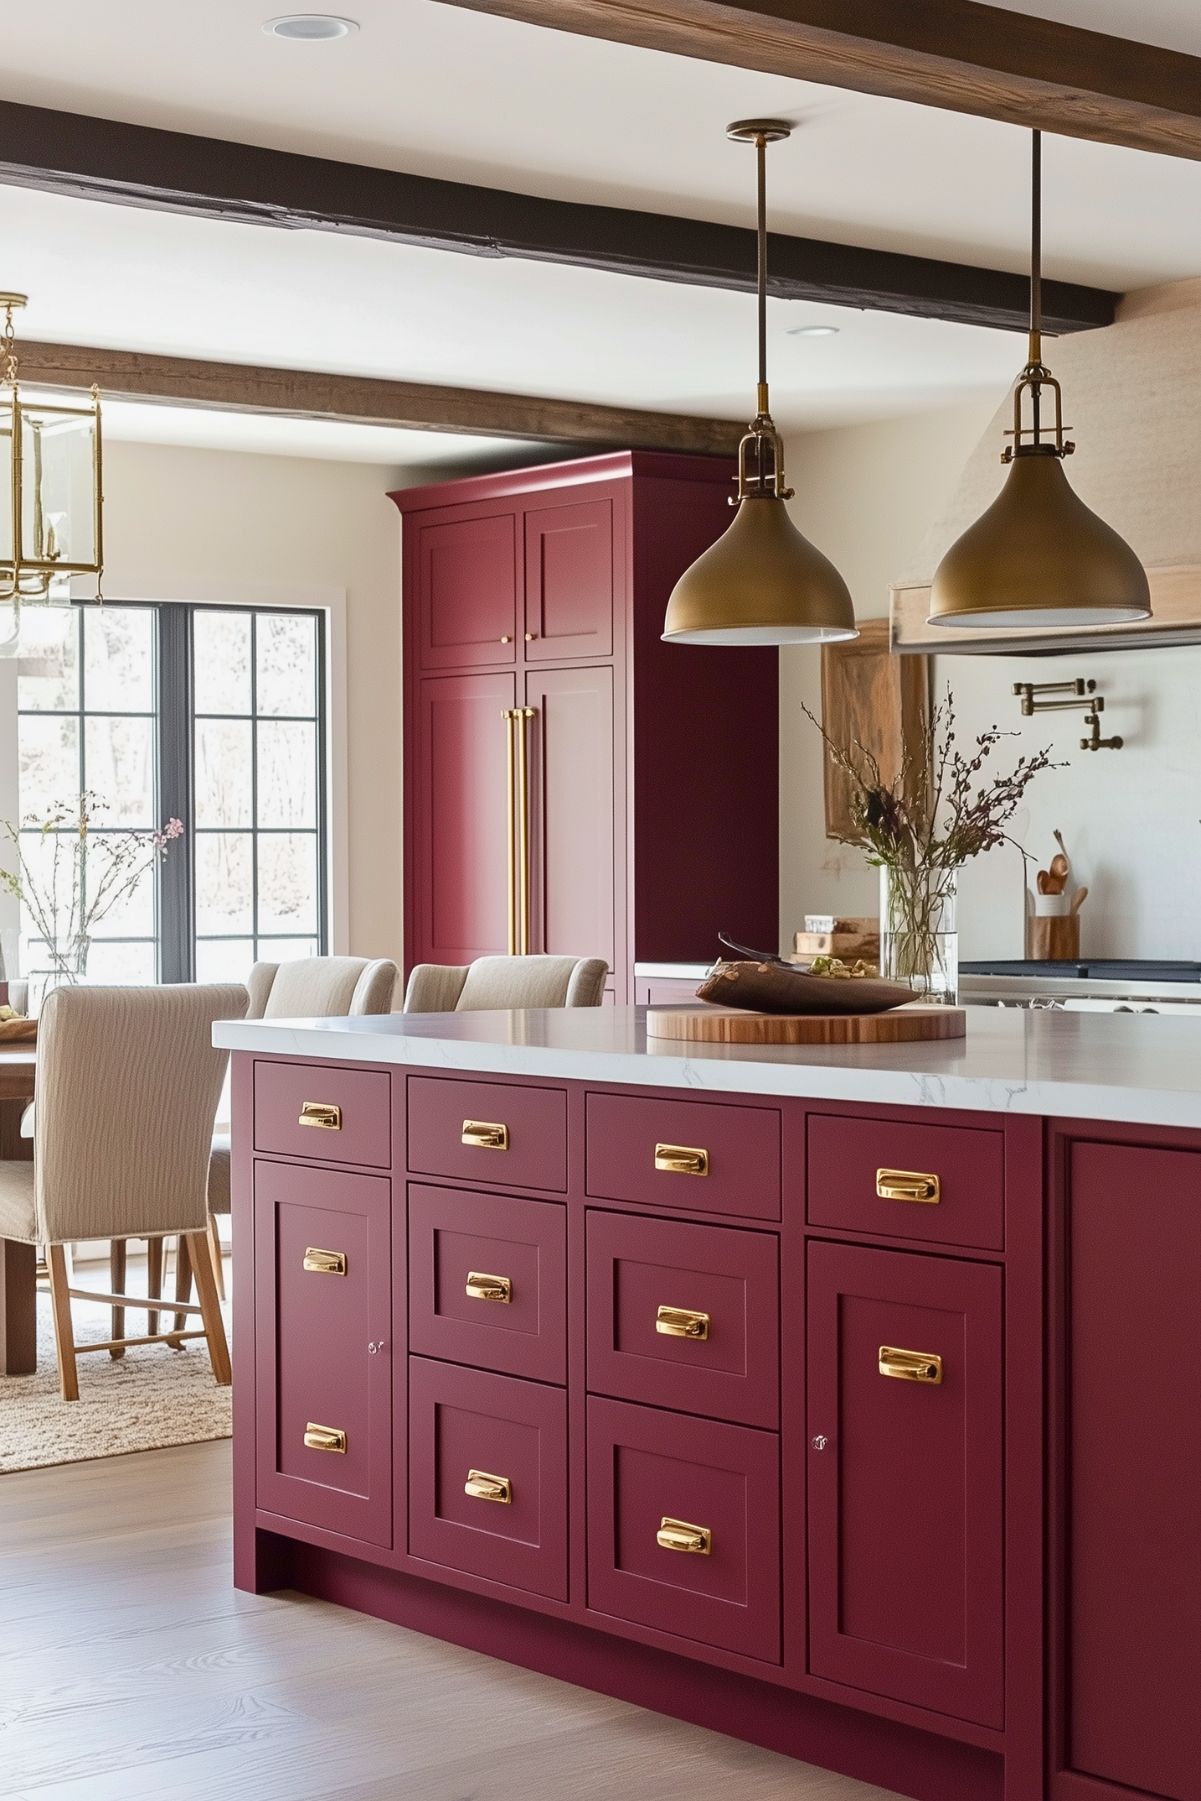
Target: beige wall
[[866, 495], [207, 525]]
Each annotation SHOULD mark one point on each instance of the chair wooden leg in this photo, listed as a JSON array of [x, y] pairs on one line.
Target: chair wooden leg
[[218, 1260], [58, 1260], [154, 1278], [116, 1273], [183, 1287], [210, 1306]]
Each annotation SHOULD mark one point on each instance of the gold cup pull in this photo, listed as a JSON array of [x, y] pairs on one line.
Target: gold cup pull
[[681, 1160], [324, 1263], [681, 1322], [321, 1114], [324, 1438], [908, 1185], [678, 1535], [483, 1487], [910, 1366], [483, 1135], [489, 1288]]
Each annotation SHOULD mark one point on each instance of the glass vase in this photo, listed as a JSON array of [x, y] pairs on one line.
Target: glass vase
[[67, 965], [919, 939]]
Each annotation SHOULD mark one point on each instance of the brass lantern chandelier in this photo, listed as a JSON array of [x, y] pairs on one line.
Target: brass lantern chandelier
[[50, 488], [1038, 556], [762, 582]]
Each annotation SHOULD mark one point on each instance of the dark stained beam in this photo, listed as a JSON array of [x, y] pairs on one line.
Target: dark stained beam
[[957, 54], [361, 400], [137, 165]]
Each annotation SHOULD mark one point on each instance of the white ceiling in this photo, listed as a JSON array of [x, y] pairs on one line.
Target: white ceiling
[[438, 90], [1174, 24]]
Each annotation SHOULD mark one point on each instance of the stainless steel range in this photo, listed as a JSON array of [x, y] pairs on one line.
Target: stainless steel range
[[1092, 985]]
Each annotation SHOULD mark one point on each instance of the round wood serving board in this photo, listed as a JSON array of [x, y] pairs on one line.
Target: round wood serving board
[[706, 1024]]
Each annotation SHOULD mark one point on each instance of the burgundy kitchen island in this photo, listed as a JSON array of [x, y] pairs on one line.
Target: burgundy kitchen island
[[844, 1400]]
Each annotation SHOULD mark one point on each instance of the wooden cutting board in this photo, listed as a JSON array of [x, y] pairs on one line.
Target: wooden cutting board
[[706, 1024]]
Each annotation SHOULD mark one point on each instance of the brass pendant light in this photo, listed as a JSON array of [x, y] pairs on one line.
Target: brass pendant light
[[762, 582], [1038, 556]]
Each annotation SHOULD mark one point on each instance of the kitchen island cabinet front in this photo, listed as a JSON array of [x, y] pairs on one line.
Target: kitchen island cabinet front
[[737, 1406]]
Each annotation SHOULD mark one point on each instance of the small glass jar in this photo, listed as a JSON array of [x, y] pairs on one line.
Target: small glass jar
[[919, 939]]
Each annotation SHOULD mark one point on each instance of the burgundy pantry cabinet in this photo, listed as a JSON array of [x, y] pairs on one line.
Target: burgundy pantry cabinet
[[572, 784]]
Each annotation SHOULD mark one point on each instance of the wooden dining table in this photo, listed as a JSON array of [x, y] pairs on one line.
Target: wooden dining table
[[18, 1262]]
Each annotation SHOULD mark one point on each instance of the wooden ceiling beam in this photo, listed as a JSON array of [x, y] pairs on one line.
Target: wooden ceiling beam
[[956, 54], [365, 400], [137, 165]]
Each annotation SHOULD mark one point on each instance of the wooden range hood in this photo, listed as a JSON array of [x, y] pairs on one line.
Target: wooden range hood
[[1132, 400]]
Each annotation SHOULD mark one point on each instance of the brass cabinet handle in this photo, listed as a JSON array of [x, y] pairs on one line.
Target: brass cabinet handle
[[681, 1322], [324, 1263], [678, 1535], [484, 1135], [523, 716], [509, 715], [681, 1160], [910, 1366], [321, 1114], [908, 1185], [483, 1487], [489, 1288], [324, 1438]]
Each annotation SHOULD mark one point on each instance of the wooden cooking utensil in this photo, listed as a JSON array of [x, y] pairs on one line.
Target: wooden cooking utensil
[[1044, 883], [1078, 900]]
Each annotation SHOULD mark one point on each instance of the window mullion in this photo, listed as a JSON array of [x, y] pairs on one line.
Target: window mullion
[[176, 888]]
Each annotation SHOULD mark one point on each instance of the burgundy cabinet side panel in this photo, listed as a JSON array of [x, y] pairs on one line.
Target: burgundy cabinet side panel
[[461, 836], [905, 1514], [1132, 1229], [573, 781], [313, 1331], [466, 571], [570, 590]]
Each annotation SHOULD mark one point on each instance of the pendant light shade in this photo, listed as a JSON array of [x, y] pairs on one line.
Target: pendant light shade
[[1038, 556], [762, 582]]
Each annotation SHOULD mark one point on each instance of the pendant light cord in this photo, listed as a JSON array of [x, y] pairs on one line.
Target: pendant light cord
[[761, 271], [1036, 246]]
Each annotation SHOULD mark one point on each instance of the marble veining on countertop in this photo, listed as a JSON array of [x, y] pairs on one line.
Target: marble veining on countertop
[[1137, 1068]]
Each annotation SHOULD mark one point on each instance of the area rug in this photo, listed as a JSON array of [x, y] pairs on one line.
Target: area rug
[[151, 1397]]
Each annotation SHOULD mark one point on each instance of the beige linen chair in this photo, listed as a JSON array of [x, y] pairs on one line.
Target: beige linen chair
[[506, 982], [310, 988], [128, 1084]]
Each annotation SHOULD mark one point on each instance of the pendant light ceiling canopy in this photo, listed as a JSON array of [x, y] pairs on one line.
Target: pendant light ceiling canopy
[[762, 582], [1038, 556]]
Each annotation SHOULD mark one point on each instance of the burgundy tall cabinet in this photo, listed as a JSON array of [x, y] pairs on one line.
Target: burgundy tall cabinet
[[572, 784]]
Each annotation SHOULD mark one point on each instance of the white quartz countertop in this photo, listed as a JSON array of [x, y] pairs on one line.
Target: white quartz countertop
[[1134, 1068]]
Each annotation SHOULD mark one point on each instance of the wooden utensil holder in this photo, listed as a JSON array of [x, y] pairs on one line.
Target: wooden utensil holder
[[1055, 939]]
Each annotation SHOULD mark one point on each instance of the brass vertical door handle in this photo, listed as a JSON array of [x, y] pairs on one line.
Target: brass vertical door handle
[[509, 715], [523, 715]]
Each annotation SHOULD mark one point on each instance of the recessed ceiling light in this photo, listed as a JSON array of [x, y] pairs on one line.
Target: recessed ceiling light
[[310, 28], [812, 331]]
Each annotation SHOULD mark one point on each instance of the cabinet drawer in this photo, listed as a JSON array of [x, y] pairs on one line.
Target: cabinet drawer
[[947, 1182], [488, 1281], [684, 1316], [633, 1143], [692, 1481], [905, 1486], [324, 1358], [488, 1476], [347, 1113], [488, 1132]]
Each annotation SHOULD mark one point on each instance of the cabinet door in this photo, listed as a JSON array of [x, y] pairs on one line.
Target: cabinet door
[[460, 883], [323, 1286], [569, 581], [905, 1496], [1130, 1586], [573, 779], [466, 573]]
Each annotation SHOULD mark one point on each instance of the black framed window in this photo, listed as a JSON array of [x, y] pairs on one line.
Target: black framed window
[[217, 716]]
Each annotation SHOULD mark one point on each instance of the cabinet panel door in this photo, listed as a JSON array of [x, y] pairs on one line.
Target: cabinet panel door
[[466, 591], [1132, 1581], [569, 581], [313, 1326], [573, 779], [461, 879], [905, 1508]]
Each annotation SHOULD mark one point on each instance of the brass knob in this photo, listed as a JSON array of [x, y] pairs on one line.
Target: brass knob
[[819, 1441], [679, 1535], [506, 638], [530, 636]]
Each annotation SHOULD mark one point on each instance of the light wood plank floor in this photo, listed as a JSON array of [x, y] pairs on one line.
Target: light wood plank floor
[[131, 1669]]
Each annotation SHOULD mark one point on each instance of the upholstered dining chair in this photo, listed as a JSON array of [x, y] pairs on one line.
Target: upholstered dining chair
[[309, 988], [128, 1084], [500, 982]]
